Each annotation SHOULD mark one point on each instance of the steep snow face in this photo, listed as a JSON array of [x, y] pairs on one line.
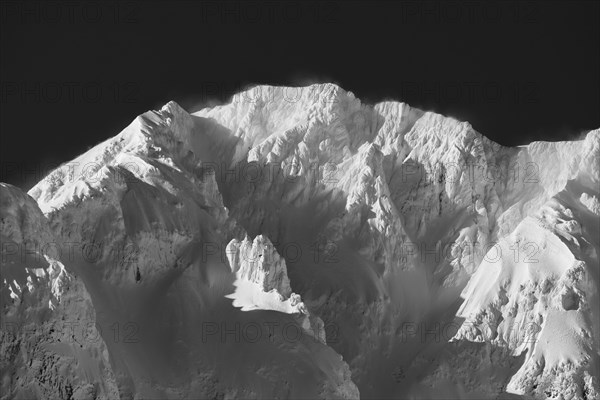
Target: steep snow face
[[399, 203], [538, 304], [153, 214], [379, 215], [534, 304], [50, 345]]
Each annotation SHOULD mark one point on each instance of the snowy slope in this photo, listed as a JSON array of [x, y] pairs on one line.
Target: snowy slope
[[536, 294], [156, 218], [412, 197], [50, 346], [348, 222]]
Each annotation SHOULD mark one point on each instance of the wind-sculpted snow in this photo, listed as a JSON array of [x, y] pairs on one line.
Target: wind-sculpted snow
[[364, 223]]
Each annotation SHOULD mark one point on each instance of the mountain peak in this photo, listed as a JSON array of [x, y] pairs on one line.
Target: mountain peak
[[376, 214]]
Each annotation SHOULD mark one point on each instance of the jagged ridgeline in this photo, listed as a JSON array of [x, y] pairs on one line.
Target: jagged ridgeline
[[298, 243]]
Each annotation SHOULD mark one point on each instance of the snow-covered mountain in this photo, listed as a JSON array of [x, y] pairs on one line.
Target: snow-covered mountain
[[298, 243], [50, 347]]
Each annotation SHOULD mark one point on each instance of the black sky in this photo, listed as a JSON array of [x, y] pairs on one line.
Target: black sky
[[74, 74]]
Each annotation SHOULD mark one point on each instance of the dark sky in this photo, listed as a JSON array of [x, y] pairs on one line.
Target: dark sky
[[74, 74]]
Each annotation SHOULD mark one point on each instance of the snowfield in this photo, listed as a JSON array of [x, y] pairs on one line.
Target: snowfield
[[297, 243]]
